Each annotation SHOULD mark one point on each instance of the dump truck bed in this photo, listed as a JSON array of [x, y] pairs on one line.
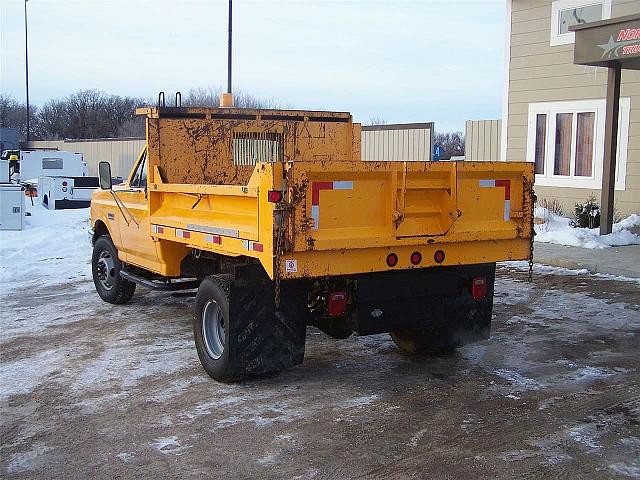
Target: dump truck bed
[[338, 215]]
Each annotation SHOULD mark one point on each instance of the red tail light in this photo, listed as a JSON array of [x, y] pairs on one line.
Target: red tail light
[[479, 288], [392, 259], [64, 184], [275, 196], [416, 258], [438, 256], [337, 303]]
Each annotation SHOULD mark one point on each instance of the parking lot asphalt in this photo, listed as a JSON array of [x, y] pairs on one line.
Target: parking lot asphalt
[[90, 390]]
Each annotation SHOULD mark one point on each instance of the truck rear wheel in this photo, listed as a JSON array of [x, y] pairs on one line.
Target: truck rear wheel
[[238, 333], [210, 326], [105, 267]]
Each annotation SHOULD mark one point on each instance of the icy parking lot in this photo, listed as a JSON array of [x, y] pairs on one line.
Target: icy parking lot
[[89, 390]]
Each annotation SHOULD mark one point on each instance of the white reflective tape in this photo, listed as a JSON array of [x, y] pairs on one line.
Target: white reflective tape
[[315, 214], [487, 183], [343, 185], [507, 209], [225, 232]]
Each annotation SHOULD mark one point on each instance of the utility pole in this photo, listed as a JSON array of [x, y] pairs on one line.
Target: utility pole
[[26, 64], [229, 52]]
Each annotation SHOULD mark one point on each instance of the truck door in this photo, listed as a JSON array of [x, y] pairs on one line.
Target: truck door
[[136, 243]]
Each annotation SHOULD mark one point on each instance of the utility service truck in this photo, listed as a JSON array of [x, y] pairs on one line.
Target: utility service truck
[[275, 219]]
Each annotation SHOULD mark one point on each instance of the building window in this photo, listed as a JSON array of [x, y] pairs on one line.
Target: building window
[[562, 158], [541, 141], [567, 13], [584, 144], [566, 142]]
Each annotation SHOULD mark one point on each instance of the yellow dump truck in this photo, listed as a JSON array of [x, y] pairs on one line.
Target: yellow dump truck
[[275, 219]]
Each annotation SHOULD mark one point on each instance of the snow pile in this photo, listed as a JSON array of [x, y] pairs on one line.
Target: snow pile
[[54, 248], [557, 229]]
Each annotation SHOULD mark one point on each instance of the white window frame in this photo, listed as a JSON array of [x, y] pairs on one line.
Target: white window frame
[[548, 179], [558, 5]]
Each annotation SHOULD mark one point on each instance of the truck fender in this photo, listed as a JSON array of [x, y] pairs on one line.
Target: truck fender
[[99, 229]]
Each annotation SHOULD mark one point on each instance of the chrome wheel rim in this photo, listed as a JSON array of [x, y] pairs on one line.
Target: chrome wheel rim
[[213, 329], [106, 270]]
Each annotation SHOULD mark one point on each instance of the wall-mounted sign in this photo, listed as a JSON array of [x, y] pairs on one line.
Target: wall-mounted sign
[[609, 42]]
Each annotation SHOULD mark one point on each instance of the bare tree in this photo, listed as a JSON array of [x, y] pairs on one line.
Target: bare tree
[[210, 97], [451, 143], [375, 120], [87, 114], [202, 97], [96, 114], [13, 114]]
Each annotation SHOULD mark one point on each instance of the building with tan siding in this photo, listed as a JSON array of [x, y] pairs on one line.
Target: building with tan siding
[[554, 110]]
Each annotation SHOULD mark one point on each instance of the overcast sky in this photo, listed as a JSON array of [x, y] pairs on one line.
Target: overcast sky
[[410, 61]]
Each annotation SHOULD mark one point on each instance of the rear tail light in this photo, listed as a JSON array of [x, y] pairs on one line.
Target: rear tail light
[[438, 256], [275, 196], [479, 288], [416, 258], [337, 304], [392, 260]]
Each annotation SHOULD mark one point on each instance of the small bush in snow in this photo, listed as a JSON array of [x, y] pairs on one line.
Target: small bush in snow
[[553, 205], [587, 215]]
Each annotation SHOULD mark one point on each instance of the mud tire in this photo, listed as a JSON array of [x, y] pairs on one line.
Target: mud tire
[[258, 339]]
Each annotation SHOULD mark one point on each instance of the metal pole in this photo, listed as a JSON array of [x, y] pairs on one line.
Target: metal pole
[[26, 64], [610, 149], [229, 52]]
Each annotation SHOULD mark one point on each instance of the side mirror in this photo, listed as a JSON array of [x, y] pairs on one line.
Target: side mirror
[[104, 175]]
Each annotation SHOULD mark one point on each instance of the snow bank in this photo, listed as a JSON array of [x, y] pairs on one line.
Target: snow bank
[[54, 248], [557, 229]]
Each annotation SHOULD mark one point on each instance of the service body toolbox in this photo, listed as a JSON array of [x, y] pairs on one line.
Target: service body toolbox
[[58, 193]]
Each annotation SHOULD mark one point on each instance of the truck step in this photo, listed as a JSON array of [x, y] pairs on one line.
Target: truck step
[[157, 285]]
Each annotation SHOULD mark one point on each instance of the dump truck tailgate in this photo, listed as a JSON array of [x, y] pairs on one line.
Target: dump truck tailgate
[[346, 205]]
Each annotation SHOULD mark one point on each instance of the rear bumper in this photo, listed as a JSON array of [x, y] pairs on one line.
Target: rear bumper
[[436, 299], [321, 263]]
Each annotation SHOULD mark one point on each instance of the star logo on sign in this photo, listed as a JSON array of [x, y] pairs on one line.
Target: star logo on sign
[[611, 47], [608, 47]]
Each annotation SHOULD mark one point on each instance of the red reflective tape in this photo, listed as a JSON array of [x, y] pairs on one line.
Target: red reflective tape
[[258, 247], [213, 239], [507, 188], [315, 190]]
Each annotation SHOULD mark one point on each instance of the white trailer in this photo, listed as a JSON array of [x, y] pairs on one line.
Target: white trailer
[[57, 193], [51, 163]]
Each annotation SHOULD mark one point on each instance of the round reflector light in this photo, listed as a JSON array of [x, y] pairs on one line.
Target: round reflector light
[[416, 258], [392, 259], [438, 256], [275, 196]]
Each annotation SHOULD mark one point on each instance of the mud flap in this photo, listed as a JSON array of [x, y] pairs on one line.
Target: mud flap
[[436, 302], [261, 338]]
